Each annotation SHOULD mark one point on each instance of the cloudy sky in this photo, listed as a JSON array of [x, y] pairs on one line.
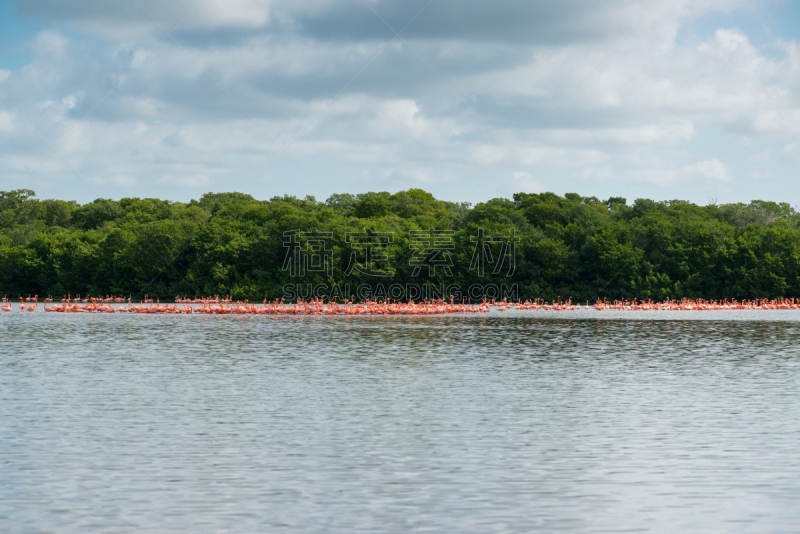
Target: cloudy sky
[[673, 99]]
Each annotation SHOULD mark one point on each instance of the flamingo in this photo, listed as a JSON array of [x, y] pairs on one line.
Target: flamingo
[[318, 305]]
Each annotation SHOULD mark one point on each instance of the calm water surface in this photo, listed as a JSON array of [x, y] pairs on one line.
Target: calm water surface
[[516, 422]]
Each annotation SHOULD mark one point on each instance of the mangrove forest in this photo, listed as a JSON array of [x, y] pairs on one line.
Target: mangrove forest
[[543, 245]]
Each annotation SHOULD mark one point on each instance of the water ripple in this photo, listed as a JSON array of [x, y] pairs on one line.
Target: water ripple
[[661, 422]]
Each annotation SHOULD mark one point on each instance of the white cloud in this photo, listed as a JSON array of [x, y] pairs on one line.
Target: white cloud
[[762, 175], [50, 43], [119, 180], [197, 180], [526, 183], [405, 115], [711, 171], [6, 121], [670, 132], [576, 105], [234, 13], [597, 173], [760, 157], [792, 150]]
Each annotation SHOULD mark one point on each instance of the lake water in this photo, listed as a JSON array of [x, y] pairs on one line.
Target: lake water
[[508, 422]]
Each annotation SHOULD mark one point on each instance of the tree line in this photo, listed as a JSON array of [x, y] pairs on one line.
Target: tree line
[[547, 246]]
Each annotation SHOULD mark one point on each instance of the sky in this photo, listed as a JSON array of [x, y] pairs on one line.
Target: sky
[[675, 99]]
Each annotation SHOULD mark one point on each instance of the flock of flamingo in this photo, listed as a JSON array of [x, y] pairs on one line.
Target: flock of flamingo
[[668, 305], [226, 306]]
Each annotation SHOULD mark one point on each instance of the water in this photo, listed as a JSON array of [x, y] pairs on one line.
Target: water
[[516, 422]]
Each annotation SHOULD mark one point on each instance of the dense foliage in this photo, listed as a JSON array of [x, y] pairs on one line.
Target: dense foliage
[[230, 243]]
